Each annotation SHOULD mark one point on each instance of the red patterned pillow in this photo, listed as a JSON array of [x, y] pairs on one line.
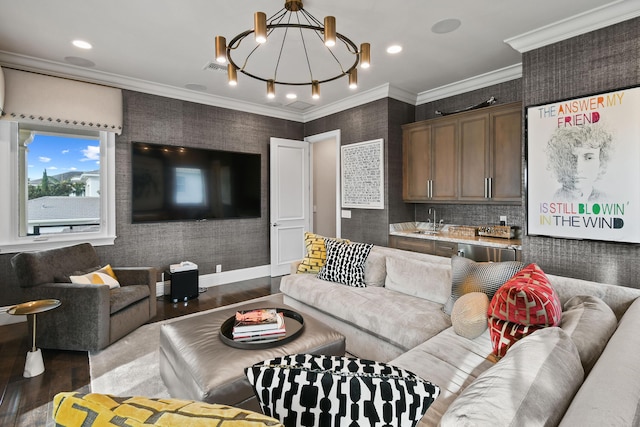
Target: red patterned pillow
[[525, 303]]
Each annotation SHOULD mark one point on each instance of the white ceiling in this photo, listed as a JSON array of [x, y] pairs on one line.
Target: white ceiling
[[160, 46]]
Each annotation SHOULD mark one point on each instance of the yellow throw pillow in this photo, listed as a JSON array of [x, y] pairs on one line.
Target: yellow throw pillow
[[316, 253], [104, 276], [76, 409]]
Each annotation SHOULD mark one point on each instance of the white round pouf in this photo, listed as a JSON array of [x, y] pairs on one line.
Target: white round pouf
[[469, 314]]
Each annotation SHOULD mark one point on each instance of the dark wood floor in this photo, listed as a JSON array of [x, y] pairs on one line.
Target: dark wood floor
[[27, 401]]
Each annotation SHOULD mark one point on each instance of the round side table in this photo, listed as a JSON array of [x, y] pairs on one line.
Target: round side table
[[34, 365]]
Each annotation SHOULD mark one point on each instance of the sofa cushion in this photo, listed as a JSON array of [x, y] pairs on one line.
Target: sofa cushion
[[316, 253], [451, 361], [76, 409], [345, 262], [375, 268], [609, 395], [419, 278], [374, 310], [525, 303], [317, 390], [103, 276], [516, 391], [469, 314], [124, 296], [590, 323], [470, 276]]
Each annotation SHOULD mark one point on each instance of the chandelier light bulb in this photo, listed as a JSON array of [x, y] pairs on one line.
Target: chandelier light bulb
[[330, 31], [221, 49], [232, 75], [365, 55], [315, 89], [271, 89], [260, 27], [353, 79]]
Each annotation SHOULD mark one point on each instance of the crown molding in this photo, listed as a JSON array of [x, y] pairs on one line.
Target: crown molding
[[382, 91], [502, 75], [594, 19], [27, 63]]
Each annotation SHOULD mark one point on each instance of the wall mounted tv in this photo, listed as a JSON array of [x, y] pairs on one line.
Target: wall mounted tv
[[173, 183]]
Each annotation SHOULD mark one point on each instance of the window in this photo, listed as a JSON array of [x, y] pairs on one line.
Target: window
[[59, 184]]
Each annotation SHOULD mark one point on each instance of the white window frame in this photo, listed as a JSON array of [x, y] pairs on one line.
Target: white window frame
[[10, 239]]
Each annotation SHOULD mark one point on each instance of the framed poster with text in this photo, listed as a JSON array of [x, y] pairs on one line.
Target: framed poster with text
[[583, 167], [362, 166]]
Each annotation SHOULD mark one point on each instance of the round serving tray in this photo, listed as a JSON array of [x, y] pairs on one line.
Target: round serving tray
[[294, 323]]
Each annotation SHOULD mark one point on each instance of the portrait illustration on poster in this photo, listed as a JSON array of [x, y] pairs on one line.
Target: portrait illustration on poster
[[583, 167]]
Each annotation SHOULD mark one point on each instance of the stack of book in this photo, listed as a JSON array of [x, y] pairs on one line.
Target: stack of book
[[258, 325]]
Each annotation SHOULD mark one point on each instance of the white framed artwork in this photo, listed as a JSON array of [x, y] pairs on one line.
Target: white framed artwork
[[362, 175], [583, 178]]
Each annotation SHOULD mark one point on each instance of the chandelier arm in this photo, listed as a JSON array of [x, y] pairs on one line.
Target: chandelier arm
[[306, 54], [284, 39], [311, 18], [279, 15]]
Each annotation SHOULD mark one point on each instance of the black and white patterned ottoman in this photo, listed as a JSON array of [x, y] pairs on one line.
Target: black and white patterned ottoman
[[195, 364]]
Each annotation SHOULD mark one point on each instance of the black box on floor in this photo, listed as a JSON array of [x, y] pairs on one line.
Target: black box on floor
[[184, 284]]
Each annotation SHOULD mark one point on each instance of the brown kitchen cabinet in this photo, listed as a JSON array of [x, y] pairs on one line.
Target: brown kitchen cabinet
[[430, 157], [425, 246], [471, 157], [413, 244]]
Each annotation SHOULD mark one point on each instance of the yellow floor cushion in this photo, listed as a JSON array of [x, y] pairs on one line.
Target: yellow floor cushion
[[96, 410]]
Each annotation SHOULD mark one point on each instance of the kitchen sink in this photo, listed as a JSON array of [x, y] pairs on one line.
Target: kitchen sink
[[432, 232]]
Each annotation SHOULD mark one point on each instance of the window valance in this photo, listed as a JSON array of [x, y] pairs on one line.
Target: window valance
[[36, 98]]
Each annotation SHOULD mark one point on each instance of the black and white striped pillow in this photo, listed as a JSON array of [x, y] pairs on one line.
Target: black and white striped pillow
[[315, 390], [345, 262]]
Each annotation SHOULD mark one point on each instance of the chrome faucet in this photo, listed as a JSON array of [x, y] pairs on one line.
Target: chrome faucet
[[433, 211]]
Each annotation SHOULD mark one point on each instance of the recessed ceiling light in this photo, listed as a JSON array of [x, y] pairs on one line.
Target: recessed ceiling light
[[292, 96], [82, 44], [396, 48], [446, 26]]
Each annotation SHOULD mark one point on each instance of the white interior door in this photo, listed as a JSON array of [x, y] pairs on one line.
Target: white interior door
[[290, 217]]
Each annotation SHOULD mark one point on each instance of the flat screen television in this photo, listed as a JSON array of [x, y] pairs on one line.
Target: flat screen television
[[173, 183]]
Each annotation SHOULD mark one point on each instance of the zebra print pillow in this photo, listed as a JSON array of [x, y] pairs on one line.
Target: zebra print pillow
[[345, 263], [315, 390]]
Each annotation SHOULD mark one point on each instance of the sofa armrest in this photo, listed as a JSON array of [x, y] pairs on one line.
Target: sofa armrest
[[82, 322], [294, 267]]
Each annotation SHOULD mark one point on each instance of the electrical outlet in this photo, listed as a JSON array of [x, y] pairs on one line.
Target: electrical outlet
[[503, 220], [219, 268]]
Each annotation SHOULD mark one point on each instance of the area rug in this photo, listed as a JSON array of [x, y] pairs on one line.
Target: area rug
[[130, 366]]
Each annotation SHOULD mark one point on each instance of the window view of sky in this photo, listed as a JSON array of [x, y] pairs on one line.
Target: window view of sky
[[59, 154]]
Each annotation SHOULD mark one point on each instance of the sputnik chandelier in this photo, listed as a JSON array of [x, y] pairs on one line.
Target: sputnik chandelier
[[289, 41]]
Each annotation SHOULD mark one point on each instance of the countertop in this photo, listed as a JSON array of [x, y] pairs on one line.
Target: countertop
[[413, 230]]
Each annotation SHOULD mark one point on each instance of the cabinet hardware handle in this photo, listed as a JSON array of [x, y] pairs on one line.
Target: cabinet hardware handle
[[490, 187], [485, 188]]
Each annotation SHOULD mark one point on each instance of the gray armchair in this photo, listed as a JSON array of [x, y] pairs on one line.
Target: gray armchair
[[91, 316]]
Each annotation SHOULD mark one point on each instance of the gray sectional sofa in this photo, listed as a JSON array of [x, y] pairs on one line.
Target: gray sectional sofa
[[584, 372]]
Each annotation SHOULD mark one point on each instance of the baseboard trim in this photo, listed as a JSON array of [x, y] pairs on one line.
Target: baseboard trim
[[223, 278]]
